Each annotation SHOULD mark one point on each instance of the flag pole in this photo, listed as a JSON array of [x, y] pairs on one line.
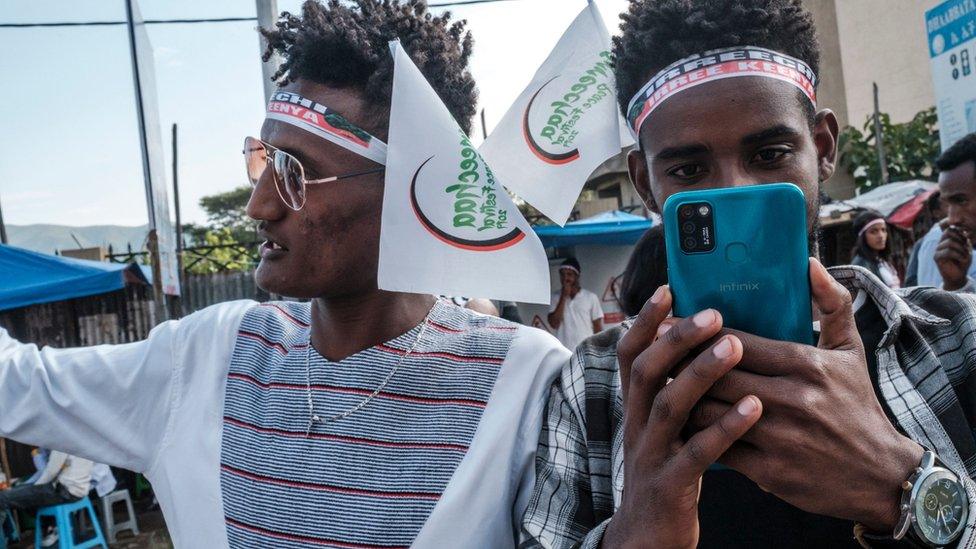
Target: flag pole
[[267, 15], [3, 228]]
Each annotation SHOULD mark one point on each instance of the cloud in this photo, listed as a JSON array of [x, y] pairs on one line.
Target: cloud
[[26, 196], [168, 57]]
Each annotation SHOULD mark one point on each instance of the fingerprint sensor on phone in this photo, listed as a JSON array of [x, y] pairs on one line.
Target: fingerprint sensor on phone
[[737, 252]]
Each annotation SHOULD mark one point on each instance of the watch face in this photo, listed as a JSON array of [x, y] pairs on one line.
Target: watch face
[[941, 506]]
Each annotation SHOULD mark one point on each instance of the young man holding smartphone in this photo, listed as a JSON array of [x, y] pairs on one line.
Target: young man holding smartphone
[[867, 434]]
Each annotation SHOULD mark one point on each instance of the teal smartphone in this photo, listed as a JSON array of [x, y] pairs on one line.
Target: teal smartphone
[[742, 251]]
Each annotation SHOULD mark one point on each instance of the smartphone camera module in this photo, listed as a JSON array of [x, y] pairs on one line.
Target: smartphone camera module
[[697, 224]]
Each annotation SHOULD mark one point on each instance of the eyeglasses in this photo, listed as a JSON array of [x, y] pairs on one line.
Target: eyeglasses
[[287, 171]]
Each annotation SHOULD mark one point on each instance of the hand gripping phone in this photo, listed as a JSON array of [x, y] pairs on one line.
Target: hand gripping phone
[[742, 251]]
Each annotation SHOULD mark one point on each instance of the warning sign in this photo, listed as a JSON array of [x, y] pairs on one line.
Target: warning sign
[[612, 291], [537, 322]]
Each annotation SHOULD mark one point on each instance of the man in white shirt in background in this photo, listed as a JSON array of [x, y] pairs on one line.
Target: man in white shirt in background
[[575, 313], [64, 479]]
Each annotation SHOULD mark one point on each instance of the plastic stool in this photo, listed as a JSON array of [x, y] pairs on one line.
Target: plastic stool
[[62, 517], [8, 518], [111, 527]]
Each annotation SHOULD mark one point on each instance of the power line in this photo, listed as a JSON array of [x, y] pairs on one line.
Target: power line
[[464, 3], [191, 21], [110, 23]]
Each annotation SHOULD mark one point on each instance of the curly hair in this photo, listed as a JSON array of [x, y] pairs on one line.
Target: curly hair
[[959, 153], [345, 44], [656, 33]]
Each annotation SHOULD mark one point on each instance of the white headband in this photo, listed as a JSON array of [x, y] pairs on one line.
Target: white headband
[[717, 65], [316, 118], [872, 223]]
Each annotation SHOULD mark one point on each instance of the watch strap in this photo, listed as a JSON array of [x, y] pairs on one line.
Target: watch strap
[[877, 541]]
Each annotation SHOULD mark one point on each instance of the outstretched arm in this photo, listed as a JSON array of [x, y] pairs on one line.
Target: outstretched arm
[[109, 403]]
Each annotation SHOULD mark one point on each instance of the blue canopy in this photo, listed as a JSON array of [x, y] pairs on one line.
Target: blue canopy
[[614, 228], [29, 278]]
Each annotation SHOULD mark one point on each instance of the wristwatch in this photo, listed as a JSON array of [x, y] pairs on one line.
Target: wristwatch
[[934, 505]]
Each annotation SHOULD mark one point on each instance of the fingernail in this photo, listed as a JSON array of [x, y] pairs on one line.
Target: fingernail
[[747, 407], [658, 294], [704, 318], [663, 329], [723, 349], [817, 262]]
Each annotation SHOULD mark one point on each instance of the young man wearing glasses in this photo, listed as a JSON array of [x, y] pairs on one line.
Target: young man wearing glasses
[[869, 433], [362, 419]]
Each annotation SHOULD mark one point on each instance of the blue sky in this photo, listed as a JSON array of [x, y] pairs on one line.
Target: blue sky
[[70, 137]]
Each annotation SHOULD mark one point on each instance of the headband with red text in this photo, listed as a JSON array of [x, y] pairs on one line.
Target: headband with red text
[[316, 118], [716, 65]]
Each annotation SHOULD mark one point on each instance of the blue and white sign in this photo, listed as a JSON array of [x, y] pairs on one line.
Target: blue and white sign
[[951, 30]]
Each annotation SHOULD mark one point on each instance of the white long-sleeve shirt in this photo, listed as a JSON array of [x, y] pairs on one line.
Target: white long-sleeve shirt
[[72, 472], [158, 407]]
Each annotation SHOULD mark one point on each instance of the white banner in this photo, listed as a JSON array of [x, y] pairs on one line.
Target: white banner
[[951, 28], [153, 159], [564, 124], [448, 227]]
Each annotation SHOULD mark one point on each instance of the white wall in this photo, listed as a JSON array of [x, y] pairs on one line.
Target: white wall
[[600, 265]]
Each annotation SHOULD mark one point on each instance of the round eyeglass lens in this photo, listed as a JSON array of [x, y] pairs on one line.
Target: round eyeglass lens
[[290, 179], [255, 159]]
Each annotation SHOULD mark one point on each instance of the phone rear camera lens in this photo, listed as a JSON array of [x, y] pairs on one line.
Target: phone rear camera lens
[[688, 227], [690, 243], [687, 211]]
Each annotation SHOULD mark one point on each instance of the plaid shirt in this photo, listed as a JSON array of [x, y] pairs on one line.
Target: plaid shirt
[[926, 373]]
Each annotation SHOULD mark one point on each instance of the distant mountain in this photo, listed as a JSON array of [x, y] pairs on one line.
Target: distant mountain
[[48, 238]]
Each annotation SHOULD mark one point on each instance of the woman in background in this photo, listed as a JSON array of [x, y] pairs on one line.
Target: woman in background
[[872, 249]]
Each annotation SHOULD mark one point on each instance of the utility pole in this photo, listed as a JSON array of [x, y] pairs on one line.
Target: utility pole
[[177, 302], [484, 129], [3, 228], [879, 138], [267, 15]]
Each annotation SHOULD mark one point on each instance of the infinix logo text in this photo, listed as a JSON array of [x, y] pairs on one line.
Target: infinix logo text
[[745, 287]]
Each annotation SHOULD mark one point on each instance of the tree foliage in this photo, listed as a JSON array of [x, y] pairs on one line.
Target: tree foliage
[[219, 251], [910, 149], [226, 241], [227, 211]]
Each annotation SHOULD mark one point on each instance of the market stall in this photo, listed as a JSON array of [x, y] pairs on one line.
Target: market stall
[[64, 302], [902, 204]]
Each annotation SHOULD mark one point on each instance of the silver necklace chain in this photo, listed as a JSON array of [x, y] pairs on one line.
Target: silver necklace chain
[[314, 418]]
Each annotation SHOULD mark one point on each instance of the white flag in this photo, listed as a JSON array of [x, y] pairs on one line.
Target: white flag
[[564, 124], [448, 227]]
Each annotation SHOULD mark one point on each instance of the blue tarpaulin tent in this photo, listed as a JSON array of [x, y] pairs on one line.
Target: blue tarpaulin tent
[[30, 278], [614, 228]]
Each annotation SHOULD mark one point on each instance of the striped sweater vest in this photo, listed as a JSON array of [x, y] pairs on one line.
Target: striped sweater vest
[[369, 480]]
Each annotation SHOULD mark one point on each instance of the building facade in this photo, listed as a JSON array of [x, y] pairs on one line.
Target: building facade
[[862, 42], [872, 41]]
